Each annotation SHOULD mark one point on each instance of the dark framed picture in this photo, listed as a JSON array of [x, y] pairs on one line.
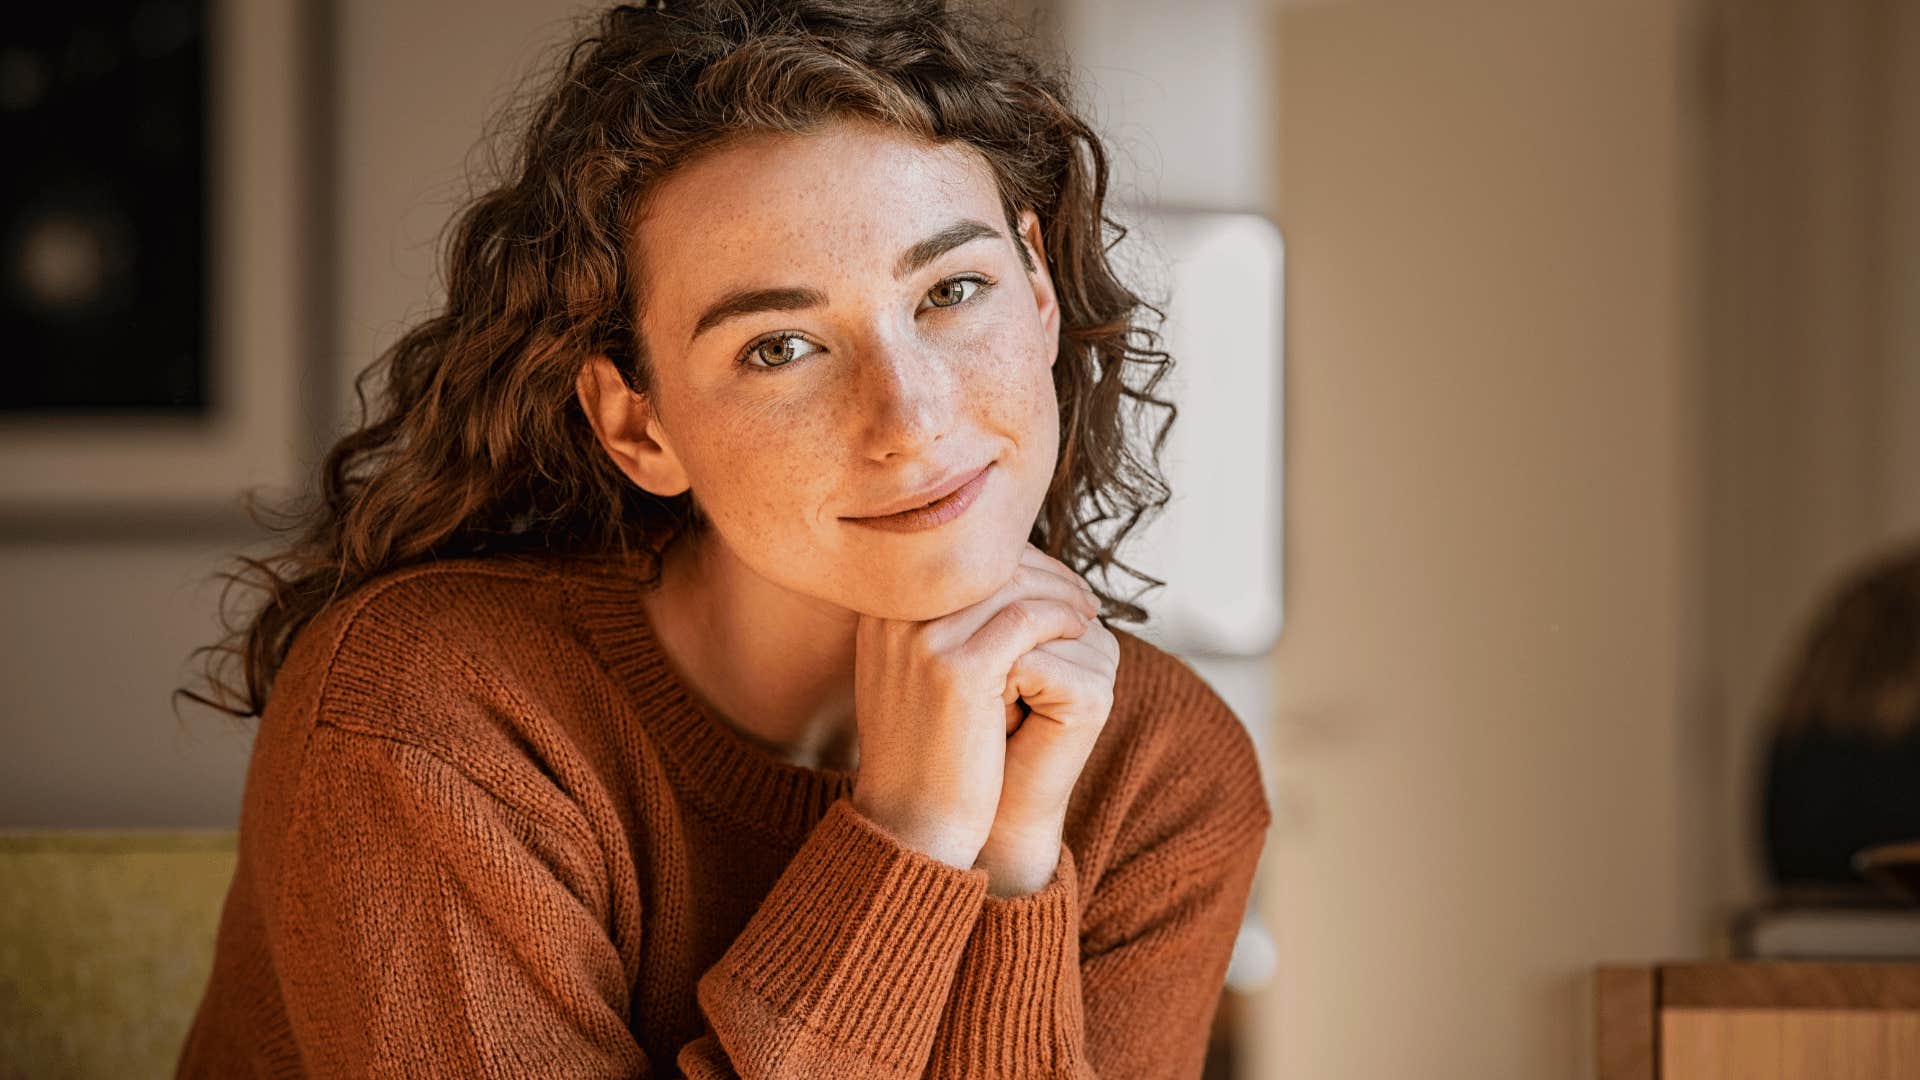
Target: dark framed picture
[[158, 253]]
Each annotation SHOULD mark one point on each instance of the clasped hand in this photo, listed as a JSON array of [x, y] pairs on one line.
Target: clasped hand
[[974, 727]]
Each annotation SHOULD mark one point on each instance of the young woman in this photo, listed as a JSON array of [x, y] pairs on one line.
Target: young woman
[[688, 672]]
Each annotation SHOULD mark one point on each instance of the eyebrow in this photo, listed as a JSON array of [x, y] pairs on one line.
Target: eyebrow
[[796, 297]]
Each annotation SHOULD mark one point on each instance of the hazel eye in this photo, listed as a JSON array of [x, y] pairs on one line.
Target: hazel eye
[[786, 354], [952, 288]]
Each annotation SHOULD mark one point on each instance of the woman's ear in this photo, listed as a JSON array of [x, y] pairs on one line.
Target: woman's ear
[[628, 428], [1044, 298]]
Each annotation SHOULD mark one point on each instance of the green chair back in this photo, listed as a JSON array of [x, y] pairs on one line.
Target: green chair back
[[106, 942]]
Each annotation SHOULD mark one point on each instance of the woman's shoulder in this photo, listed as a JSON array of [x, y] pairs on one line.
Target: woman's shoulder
[[1161, 690], [469, 600], [1173, 741], [408, 647], [454, 668]]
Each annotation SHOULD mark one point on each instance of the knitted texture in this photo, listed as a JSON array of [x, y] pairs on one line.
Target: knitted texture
[[489, 831]]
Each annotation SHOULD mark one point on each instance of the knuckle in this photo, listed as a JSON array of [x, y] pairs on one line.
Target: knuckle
[[1025, 615], [1035, 578]]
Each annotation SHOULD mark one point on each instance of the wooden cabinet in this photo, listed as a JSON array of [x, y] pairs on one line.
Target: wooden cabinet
[[1758, 1020]]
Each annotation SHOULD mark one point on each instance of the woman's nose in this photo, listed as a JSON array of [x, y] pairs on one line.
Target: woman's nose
[[905, 398]]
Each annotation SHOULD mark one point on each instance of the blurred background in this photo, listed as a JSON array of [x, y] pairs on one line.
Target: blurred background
[[1601, 390]]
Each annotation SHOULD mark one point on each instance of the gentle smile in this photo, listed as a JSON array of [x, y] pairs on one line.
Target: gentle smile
[[938, 512]]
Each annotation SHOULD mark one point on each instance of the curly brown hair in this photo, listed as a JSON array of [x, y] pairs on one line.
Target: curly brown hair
[[481, 446]]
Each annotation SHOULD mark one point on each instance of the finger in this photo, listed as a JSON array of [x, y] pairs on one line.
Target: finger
[[1020, 626], [1017, 711], [1100, 638], [1029, 582], [1082, 653], [1099, 666], [1033, 556], [1036, 566], [1057, 688], [1092, 674]]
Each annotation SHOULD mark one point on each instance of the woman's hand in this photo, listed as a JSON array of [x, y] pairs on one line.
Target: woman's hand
[[934, 700], [1068, 685]]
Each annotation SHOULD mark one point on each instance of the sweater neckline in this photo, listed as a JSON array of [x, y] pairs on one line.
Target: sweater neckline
[[728, 776]]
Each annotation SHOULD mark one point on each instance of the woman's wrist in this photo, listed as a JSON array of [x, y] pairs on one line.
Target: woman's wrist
[[1019, 865], [944, 845]]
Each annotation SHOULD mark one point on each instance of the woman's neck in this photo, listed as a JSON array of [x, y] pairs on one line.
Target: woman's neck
[[777, 666]]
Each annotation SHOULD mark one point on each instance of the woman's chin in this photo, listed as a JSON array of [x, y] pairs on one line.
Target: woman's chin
[[939, 590]]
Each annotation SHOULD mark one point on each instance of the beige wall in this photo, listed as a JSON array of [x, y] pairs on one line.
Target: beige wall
[[1485, 729], [419, 81], [96, 635]]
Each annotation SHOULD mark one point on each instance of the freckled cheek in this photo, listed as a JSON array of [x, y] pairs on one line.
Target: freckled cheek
[[763, 471], [1010, 381], [1015, 400]]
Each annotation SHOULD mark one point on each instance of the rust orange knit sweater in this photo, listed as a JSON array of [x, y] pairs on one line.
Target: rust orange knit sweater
[[487, 831]]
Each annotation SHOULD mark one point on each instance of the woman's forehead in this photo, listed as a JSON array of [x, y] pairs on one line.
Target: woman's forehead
[[850, 190]]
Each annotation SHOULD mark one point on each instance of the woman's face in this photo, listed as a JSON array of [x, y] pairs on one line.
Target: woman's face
[[889, 338]]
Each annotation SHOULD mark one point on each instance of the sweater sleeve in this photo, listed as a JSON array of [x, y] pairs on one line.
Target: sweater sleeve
[[846, 966], [423, 926], [1122, 982], [1029, 1003]]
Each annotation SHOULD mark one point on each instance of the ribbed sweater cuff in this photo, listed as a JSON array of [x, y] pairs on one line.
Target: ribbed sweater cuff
[[1015, 1009], [851, 956]]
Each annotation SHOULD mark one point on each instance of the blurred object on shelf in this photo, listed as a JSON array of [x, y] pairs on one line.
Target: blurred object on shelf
[[1843, 756], [1829, 932], [1895, 866]]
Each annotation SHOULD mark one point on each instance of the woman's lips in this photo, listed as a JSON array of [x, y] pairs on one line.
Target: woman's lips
[[935, 513], [928, 495]]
